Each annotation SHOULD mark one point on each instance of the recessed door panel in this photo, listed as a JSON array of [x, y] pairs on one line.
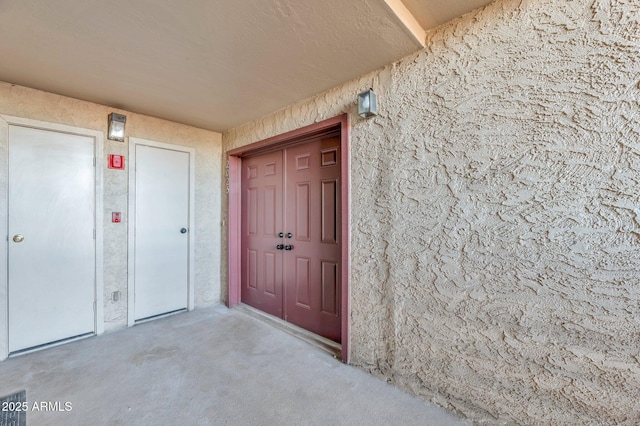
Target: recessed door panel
[[252, 269], [302, 204], [270, 211], [51, 237], [303, 281], [329, 281], [270, 273], [161, 231], [252, 211], [328, 221]]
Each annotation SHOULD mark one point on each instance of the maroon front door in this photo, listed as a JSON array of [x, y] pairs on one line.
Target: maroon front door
[[261, 224], [290, 235]]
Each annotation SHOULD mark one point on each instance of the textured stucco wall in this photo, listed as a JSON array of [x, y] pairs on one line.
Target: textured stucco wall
[[496, 213], [37, 105]]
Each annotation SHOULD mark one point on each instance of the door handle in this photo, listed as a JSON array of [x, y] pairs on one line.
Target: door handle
[[183, 231], [18, 238], [288, 247], [289, 235], [279, 246]]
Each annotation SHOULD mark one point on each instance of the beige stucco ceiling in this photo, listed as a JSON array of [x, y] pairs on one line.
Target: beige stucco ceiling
[[213, 64]]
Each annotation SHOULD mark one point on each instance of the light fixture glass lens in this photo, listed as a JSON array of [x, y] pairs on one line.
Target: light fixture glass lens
[[117, 130], [365, 101]]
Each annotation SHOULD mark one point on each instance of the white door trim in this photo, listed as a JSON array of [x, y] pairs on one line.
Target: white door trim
[[133, 142], [98, 137]]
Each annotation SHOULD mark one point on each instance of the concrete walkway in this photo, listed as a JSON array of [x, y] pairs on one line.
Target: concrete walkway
[[212, 366]]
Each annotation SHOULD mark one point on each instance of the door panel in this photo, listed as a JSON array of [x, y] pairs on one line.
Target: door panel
[[329, 289], [294, 191], [329, 212], [270, 213], [312, 286], [261, 282], [302, 204], [161, 231], [302, 282], [52, 205]]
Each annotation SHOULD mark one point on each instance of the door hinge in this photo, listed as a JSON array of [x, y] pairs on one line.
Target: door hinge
[[94, 234], [95, 306], [94, 161]]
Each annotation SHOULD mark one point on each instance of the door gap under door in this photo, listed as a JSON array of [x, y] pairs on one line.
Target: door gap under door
[[166, 314]]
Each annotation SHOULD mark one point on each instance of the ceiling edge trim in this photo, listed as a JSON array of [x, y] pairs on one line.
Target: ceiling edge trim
[[406, 18]]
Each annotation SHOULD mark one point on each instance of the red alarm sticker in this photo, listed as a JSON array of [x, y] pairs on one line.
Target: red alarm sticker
[[116, 162]]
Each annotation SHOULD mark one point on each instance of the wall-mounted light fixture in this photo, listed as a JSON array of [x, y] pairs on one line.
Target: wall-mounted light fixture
[[367, 104], [116, 127]]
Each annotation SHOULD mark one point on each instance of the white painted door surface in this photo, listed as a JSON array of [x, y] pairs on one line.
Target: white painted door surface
[[51, 265], [161, 231]]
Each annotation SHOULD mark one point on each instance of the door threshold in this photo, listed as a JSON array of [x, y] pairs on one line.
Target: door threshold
[[332, 348], [51, 344]]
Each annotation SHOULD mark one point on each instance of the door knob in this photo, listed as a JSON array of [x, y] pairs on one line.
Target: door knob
[[288, 247], [18, 238], [183, 231], [280, 246], [289, 235]]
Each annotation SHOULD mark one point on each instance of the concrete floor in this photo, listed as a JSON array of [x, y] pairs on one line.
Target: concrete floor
[[212, 366]]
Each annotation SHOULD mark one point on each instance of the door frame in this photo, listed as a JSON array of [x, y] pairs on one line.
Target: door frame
[[234, 208], [133, 142], [98, 138]]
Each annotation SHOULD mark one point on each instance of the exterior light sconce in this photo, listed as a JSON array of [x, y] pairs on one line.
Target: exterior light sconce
[[116, 127], [367, 104]]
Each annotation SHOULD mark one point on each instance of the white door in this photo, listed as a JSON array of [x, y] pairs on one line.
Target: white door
[[51, 265], [161, 259]]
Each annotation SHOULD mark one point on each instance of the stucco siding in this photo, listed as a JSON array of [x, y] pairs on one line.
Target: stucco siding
[[496, 215]]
